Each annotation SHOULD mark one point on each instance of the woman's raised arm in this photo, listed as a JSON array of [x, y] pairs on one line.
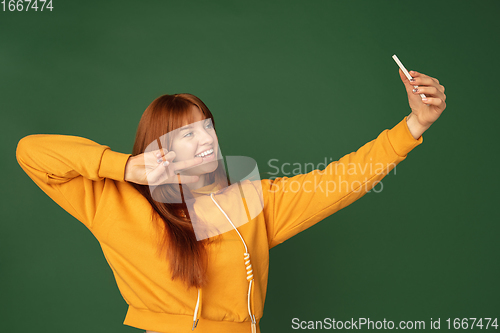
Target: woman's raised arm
[[71, 170], [294, 204]]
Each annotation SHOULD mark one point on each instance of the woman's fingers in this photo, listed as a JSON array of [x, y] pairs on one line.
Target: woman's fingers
[[165, 175], [188, 179], [161, 152], [164, 155], [422, 79], [436, 101], [428, 91], [428, 85], [425, 80], [186, 164], [166, 171], [416, 74], [157, 176]]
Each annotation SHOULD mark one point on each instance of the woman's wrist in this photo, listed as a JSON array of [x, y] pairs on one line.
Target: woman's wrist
[[128, 169], [416, 129]]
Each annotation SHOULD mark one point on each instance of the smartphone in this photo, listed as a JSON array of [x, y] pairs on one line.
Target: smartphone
[[405, 71]]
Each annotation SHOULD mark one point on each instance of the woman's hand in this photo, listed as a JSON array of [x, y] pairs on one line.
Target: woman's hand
[[424, 112], [156, 168]]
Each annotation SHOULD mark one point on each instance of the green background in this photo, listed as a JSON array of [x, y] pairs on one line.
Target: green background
[[296, 81]]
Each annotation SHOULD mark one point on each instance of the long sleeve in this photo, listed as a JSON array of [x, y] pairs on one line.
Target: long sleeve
[[297, 203], [71, 170]]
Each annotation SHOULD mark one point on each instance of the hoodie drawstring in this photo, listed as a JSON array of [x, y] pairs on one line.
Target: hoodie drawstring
[[197, 311], [248, 264]]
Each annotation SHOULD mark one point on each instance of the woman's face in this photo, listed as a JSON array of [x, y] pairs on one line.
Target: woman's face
[[194, 139]]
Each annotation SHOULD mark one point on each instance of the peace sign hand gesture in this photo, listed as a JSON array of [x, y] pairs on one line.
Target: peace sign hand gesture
[[156, 168]]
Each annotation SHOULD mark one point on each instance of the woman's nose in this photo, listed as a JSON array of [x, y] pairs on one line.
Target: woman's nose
[[205, 138]]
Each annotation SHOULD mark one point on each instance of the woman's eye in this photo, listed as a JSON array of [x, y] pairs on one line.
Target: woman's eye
[[208, 125]]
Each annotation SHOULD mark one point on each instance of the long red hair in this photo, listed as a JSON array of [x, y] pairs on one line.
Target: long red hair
[[178, 243]]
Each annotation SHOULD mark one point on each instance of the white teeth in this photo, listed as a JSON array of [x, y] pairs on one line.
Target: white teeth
[[208, 152]]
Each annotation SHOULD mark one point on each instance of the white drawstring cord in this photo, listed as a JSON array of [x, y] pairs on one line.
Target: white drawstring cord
[[195, 321], [252, 317], [246, 257]]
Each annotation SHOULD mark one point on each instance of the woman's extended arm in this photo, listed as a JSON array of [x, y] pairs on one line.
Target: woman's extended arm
[[297, 203]]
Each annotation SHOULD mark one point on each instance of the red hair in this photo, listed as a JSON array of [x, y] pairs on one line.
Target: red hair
[[187, 256]]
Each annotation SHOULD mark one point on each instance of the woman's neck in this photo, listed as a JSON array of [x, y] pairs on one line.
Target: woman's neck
[[203, 181]]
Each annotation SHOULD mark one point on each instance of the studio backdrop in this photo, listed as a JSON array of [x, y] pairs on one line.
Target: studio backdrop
[[293, 85]]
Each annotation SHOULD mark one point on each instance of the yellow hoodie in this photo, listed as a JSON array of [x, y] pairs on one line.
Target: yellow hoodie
[[87, 180]]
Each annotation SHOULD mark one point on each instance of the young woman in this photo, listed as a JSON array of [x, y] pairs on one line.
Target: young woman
[[187, 243]]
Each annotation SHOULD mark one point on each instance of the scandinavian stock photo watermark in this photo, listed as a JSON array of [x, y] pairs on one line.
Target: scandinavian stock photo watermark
[[236, 183], [328, 177]]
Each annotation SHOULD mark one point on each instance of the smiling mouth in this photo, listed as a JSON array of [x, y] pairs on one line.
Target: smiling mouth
[[206, 154]]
